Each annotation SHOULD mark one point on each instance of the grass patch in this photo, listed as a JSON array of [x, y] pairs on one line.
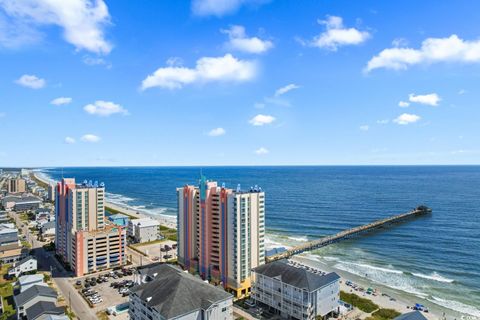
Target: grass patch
[[102, 315], [363, 304], [26, 244], [6, 294], [112, 211], [168, 233], [384, 314], [4, 271], [136, 245]]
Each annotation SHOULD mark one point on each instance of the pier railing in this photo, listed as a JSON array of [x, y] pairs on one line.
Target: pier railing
[[347, 234]]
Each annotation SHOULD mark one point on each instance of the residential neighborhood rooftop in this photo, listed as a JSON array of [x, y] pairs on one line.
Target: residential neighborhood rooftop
[[296, 276], [173, 292]]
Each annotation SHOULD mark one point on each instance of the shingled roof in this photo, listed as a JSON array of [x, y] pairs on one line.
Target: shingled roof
[[414, 315], [297, 277], [43, 308], [32, 292], [173, 292]]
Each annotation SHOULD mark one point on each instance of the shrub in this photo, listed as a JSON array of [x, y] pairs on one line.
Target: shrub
[[363, 304]]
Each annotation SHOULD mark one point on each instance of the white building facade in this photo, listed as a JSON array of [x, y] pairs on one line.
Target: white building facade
[[293, 292], [143, 230], [28, 264]]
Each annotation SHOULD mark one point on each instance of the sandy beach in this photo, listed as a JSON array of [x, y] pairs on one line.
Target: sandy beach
[[399, 303]]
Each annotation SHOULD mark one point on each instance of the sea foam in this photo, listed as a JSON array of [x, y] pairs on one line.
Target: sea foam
[[457, 306], [434, 276]]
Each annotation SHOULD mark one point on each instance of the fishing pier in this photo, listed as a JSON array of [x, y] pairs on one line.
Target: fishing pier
[[350, 233]]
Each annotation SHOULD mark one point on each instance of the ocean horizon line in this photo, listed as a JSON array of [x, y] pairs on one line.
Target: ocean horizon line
[[247, 166]]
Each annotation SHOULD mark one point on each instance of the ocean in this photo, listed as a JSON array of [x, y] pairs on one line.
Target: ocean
[[433, 259]]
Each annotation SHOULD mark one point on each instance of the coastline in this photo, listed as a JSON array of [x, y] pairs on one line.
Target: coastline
[[403, 299], [400, 303]]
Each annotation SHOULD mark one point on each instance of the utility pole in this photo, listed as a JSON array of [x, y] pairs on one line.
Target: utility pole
[[69, 301]]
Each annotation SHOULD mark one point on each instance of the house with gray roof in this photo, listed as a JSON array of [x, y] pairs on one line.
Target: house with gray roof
[[296, 291], [414, 315], [43, 310], [31, 296], [171, 293], [29, 280]]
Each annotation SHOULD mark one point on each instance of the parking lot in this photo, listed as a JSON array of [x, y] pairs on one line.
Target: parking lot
[[163, 251], [106, 289]]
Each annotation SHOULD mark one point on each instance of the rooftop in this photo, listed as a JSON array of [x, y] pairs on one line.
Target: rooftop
[[145, 222], [32, 292], [173, 292], [29, 278], [26, 259], [42, 308], [295, 276], [414, 315]]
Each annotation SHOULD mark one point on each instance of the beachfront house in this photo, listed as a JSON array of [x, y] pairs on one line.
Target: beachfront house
[[144, 230], [296, 292], [414, 315]]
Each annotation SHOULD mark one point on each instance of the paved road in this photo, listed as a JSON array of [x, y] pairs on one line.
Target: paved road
[[60, 276]]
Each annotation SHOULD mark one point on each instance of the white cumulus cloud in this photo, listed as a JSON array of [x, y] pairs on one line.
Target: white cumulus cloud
[[104, 108], [31, 81], [216, 132], [337, 35], [262, 150], [61, 101], [83, 21], [90, 138], [403, 104], [69, 140], [431, 99], [406, 118], [238, 40], [207, 69], [220, 7], [285, 89], [364, 127], [432, 50], [261, 119]]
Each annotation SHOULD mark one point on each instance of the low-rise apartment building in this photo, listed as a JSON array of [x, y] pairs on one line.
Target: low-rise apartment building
[[296, 292], [143, 230]]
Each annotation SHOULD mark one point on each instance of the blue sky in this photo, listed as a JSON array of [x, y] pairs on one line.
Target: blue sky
[[239, 82]]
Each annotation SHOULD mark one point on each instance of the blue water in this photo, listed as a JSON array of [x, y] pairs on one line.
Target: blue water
[[435, 257]]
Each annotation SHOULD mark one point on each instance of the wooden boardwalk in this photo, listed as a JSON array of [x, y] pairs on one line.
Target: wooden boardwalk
[[347, 234]]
